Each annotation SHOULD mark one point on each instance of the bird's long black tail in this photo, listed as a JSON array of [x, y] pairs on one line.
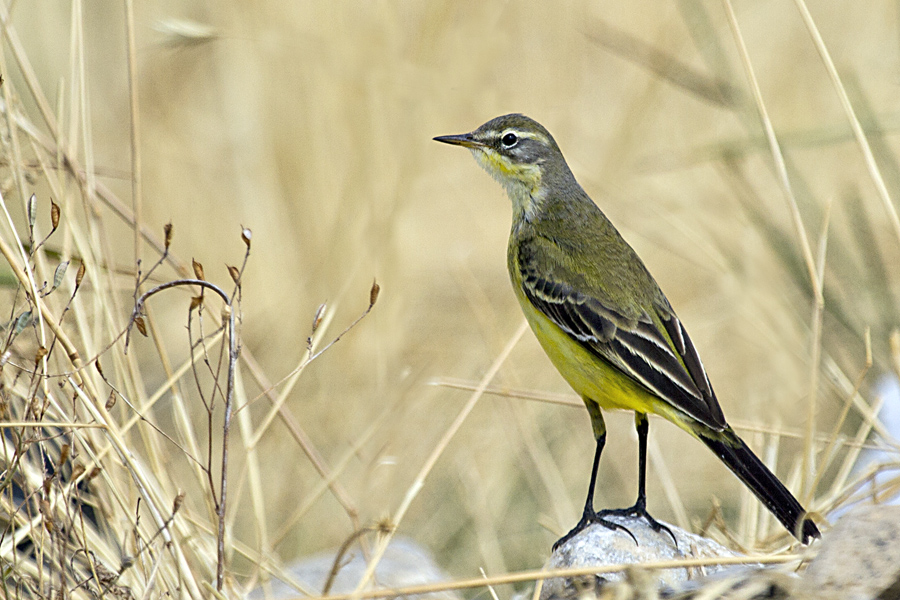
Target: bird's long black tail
[[756, 476]]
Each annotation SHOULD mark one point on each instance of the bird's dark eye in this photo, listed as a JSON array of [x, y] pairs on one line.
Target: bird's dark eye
[[509, 140]]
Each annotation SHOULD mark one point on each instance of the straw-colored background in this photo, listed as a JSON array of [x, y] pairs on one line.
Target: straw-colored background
[[311, 124]]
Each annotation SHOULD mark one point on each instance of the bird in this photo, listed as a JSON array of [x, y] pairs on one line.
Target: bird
[[603, 320]]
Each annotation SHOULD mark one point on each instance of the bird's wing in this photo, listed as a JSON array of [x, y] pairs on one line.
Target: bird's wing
[[655, 352]]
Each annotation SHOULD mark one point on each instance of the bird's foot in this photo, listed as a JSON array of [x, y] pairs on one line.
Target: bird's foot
[[594, 517], [638, 510]]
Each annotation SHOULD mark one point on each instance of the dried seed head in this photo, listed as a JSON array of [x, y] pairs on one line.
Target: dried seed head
[[29, 208], [59, 274], [373, 293], [198, 270], [320, 314], [79, 275], [54, 214], [167, 233], [22, 322], [176, 504], [142, 327], [246, 234], [77, 470], [64, 453], [384, 526], [235, 274]]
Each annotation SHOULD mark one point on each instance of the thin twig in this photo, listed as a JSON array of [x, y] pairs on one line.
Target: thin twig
[[339, 557], [136, 312], [233, 353]]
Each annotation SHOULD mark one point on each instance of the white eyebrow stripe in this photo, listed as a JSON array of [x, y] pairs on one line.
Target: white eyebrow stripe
[[531, 135]]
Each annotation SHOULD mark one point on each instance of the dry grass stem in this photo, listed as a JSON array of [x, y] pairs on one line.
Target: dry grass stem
[[539, 575]]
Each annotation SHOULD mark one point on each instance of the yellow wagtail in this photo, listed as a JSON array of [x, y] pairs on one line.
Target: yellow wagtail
[[602, 319]]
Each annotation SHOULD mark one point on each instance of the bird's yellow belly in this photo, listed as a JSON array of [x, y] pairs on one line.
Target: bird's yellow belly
[[589, 375]]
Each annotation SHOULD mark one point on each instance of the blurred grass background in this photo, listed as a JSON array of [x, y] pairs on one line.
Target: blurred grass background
[[311, 124]]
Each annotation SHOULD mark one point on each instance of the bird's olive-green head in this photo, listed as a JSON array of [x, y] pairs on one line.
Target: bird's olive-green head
[[519, 153]]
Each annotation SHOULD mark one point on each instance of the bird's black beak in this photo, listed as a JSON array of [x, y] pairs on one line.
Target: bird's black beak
[[466, 140]]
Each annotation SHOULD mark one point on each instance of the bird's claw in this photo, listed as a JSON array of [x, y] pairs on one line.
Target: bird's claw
[[639, 510], [595, 517]]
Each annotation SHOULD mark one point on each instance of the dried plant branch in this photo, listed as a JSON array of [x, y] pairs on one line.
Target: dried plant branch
[[220, 502]]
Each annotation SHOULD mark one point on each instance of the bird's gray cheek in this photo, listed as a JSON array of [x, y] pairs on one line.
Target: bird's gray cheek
[[525, 156]]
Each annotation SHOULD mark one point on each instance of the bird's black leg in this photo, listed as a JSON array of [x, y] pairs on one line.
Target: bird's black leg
[[589, 515], [642, 424]]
